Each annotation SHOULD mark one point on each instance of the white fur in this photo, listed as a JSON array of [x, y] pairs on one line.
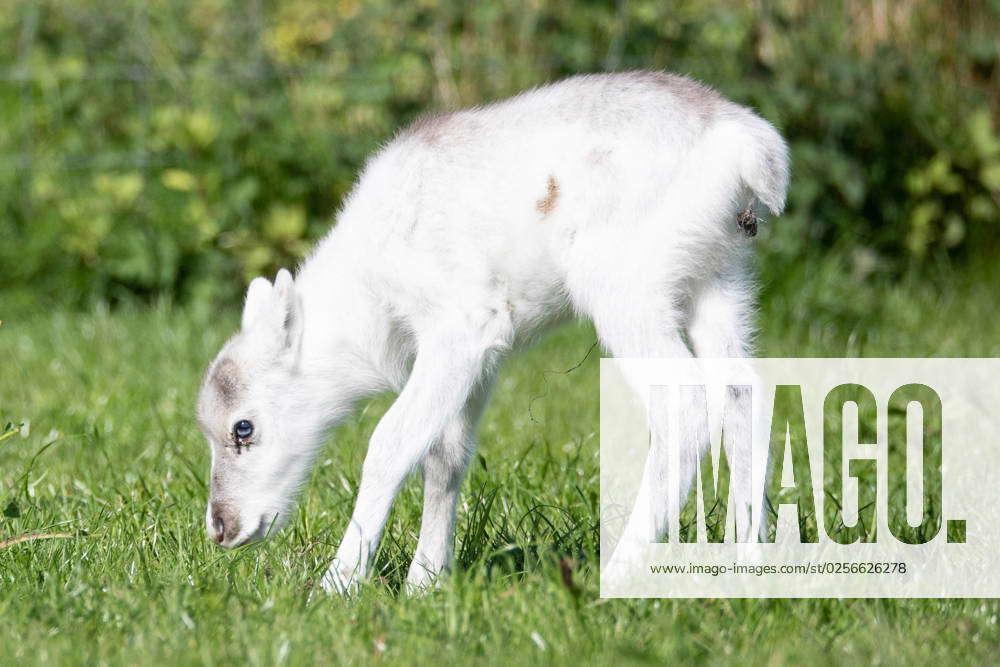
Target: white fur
[[612, 197]]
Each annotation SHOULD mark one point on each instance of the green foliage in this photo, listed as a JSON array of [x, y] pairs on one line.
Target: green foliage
[[181, 148]]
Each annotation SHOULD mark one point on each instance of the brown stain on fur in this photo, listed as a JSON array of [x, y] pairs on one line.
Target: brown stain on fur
[[546, 205]]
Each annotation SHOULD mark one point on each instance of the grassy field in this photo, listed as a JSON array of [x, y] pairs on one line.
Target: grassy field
[[113, 458]]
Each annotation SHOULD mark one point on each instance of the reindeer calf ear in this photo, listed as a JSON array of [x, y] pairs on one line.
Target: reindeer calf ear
[[284, 286], [257, 304], [272, 313], [287, 301]]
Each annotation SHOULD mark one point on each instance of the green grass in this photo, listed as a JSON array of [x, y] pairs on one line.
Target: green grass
[[113, 457]]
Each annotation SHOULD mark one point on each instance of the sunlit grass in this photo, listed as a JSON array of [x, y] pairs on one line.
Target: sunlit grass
[[109, 453]]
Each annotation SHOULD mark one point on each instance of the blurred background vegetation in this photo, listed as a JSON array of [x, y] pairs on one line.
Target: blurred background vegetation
[[173, 150]]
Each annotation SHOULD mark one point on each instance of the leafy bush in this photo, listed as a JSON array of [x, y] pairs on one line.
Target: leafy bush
[[180, 148]]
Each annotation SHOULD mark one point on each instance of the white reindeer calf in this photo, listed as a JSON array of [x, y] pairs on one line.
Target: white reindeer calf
[[626, 198]]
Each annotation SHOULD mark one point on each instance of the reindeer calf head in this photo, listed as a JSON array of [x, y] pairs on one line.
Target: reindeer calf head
[[249, 409]]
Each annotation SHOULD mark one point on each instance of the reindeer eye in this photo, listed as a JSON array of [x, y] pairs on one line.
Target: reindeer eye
[[242, 430]]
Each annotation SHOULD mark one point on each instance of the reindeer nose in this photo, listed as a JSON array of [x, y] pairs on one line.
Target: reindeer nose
[[218, 528], [225, 524]]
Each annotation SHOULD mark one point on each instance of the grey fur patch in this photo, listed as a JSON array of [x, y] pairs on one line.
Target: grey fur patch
[[225, 378], [430, 128], [692, 94]]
